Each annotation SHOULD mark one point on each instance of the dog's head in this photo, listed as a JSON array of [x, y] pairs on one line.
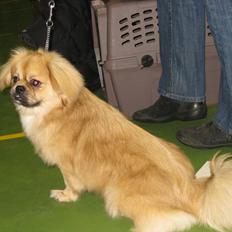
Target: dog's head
[[38, 78]]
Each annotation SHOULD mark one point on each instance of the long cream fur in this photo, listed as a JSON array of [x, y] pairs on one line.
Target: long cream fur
[[96, 148]]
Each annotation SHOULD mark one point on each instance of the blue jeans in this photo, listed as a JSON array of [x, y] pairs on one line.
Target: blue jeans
[[182, 50]]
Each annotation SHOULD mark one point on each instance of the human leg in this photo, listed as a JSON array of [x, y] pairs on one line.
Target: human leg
[[182, 36], [218, 133], [219, 14], [182, 44]]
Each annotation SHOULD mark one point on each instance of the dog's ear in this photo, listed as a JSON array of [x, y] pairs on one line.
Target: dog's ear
[[65, 78], [5, 75], [5, 70]]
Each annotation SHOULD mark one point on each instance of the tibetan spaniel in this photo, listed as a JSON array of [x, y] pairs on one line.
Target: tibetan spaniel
[[139, 175]]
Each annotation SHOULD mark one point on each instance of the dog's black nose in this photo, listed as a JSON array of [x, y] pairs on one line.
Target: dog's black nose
[[20, 89]]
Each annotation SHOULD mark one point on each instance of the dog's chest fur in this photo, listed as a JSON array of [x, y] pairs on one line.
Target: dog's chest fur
[[28, 122], [38, 137]]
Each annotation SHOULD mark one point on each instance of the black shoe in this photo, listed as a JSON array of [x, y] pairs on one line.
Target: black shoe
[[166, 109], [206, 136]]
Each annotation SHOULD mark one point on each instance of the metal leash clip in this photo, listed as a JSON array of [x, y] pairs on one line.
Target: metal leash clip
[[49, 24]]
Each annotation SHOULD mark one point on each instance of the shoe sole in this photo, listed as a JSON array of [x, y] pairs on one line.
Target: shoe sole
[[205, 146], [191, 118], [174, 118]]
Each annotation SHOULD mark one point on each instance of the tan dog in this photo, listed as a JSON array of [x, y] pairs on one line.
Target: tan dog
[[97, 149]]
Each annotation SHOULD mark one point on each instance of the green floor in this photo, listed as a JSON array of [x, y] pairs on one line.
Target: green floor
[[25, 181]]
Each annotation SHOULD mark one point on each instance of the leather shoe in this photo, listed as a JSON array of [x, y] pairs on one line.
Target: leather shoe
[[166, 109], [205, 136]]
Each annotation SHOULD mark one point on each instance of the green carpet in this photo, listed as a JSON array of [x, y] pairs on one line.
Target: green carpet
[[25, 182]]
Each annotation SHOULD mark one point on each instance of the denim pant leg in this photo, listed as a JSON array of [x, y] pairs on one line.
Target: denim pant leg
[[182, 44], [219, 14]]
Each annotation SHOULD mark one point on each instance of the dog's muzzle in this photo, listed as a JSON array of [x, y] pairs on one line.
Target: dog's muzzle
[[20, 98]]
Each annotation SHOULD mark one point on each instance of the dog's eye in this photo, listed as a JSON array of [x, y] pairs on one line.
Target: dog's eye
[[35, 83], [15, 79]]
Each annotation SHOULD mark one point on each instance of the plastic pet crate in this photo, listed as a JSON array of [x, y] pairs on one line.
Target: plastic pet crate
[[127, 50], [212, 68]]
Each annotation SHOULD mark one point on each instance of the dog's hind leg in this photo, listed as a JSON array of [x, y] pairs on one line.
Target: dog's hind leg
[[165, 222], [147, 214]]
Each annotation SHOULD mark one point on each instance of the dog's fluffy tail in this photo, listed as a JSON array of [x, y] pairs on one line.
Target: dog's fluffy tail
[[215, 208]]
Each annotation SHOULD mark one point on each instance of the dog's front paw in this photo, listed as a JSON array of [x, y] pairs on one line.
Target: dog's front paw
[[65, 195]]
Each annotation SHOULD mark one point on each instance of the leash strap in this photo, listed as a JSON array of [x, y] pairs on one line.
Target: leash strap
[[49, 24]]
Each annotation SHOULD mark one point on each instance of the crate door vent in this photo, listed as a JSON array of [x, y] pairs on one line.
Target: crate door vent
[[138, 29]]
